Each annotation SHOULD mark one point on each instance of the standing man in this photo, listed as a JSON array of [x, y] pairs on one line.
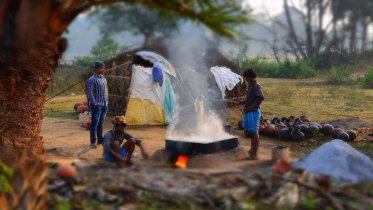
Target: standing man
[[254, 98], [98, 102]]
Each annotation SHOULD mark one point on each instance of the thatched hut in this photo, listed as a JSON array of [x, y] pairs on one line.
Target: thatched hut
[[119, 73]]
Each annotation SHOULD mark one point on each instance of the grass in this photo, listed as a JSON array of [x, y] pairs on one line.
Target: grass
[[320, 102], [63, 107]]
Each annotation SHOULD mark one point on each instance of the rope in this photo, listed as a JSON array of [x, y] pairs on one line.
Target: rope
[[84, 80]]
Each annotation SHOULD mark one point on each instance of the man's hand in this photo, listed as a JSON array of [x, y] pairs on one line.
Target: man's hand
[[144, 155]]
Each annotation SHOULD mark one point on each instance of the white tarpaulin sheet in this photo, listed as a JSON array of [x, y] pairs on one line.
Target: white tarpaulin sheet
[[158, 60], [225, 78], [143, 86]]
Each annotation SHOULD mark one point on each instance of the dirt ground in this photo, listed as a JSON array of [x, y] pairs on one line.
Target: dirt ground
[[68, 135]]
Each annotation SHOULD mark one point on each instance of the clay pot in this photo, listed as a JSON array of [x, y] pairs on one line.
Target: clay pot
[[273, 121], [269, 130], [280, 153], [352, 135], [305, 119], [285, 134], [317, 124], [81, 109], [240, 125], [343, 136], [279, 129], [303, 128], [77, 105], [313, 129], [327, 129], [339, 126], [66, 171], [335, 132], [297, 135], [85, 103], [261, 128], [247, 133], [87, 123], [281, 167]]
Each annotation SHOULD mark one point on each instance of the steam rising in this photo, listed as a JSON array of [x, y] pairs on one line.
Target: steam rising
[[187, 124]]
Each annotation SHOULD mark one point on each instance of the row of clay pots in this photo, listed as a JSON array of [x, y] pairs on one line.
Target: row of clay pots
[[81, 107], [296, 128]]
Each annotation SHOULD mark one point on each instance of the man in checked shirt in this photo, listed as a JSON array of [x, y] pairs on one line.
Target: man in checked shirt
[[98, 102]]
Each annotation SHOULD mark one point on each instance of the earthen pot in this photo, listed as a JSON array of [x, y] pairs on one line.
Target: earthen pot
[[317, 124], [352, 135], [66, 171], [305, 119], [77, 105], [269, 130], [279, 128], [261, 128], [327, 129], [273, 121], [343, 136], [312, 130], [87, 123], [85, 103], [339, 126], [81, 109], [240, 125], [285, 134], [247, 133], [303, 128], [335, 132], [297, 135]]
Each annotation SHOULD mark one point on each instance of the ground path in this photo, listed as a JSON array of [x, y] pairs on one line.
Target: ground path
[[72, 138]]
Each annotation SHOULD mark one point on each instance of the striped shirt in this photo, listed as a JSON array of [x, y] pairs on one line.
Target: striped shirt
[[97, 90]]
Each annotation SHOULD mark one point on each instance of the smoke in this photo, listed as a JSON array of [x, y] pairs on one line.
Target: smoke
[[186, 51]]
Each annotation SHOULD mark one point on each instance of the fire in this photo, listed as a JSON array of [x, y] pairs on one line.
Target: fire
[[181, 161]]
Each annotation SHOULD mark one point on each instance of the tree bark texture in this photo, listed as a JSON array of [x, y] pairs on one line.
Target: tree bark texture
[[30, 46]]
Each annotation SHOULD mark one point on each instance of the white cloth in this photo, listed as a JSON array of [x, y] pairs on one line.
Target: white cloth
[[159, 61], [225, 78], [143, 86]]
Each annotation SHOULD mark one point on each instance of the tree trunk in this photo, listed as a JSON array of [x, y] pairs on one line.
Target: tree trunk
[[365, 23], [309, 29], [353, 20], [29, 51], [320, 33], [292, 31]]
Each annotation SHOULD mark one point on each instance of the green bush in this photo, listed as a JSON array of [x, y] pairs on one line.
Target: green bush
[[367, 80], [326, 60], [286, 69], [341, 75]]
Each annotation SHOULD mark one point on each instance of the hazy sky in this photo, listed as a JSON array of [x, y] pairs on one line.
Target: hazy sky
[[272, 6]]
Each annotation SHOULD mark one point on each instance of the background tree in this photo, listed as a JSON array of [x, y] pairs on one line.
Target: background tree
[[31, 45], [136, 18]]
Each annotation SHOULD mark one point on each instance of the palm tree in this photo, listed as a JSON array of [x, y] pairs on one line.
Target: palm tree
[[31, 45]]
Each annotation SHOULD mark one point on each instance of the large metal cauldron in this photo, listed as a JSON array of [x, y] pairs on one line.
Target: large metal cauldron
[[198, 148]]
